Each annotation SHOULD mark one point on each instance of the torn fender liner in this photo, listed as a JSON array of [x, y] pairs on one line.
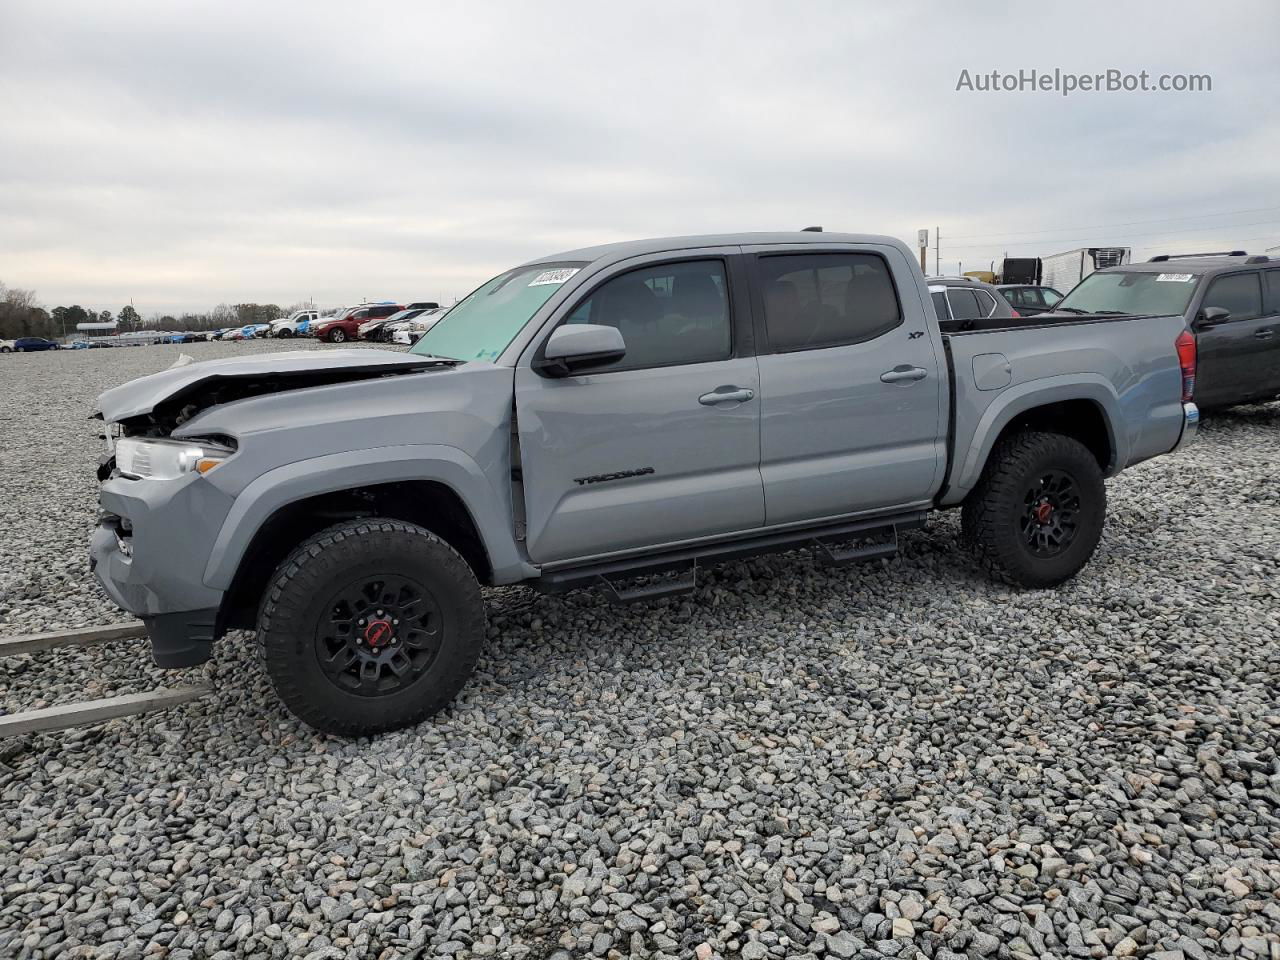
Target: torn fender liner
[[236, 378]]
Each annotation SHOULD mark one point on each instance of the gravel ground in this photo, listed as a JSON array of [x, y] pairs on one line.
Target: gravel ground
[[898, 759]]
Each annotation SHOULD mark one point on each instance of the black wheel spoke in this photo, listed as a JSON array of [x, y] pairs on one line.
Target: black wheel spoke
[[1048, 521], [380, 635]]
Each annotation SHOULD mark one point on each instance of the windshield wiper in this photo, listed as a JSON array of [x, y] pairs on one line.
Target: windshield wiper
[[436, 356], [1069, 310]]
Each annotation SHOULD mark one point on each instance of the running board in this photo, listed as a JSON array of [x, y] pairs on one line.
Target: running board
[[83, 713], [685, 584], [825, 539], [860, 553]]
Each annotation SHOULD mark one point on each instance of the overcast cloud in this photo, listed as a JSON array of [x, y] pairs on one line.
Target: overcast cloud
[[186, 154]]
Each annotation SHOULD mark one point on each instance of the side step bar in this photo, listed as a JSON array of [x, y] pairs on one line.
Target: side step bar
[[84, 713], [685, 584], [825, 539], [861, 552]]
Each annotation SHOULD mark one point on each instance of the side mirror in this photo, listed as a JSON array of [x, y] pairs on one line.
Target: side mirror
[[1212, 316], [573, 346]]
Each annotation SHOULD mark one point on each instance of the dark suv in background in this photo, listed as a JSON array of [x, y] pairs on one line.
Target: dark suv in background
[[1029, 299], [1231, 302]]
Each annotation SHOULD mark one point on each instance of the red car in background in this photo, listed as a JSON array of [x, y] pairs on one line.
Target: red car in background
[[345, 325]]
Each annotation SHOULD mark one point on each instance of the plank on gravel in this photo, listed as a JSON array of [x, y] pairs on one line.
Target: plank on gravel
[[36, 642], [88, 712]]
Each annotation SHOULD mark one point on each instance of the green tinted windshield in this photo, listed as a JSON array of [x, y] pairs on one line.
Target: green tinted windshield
[[481, 326], [1137, 293]]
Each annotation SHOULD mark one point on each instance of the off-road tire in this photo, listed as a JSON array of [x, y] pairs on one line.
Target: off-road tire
[[993, 513], [300, 594]]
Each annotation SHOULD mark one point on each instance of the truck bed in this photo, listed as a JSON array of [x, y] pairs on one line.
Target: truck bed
[[1126, 367]]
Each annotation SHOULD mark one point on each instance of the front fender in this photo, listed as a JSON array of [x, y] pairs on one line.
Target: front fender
[[977, 429], [355, 468]]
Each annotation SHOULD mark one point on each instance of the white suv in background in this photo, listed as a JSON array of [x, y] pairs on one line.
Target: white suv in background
[[288, 326], [409, 331]]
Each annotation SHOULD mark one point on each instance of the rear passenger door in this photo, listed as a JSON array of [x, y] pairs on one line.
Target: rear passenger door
[[1231, 354], [852, 401]]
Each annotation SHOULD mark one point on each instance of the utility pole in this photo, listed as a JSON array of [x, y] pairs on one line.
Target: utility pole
[[937, 251]]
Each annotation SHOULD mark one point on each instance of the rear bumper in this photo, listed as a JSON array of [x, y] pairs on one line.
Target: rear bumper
[[1190, 424]]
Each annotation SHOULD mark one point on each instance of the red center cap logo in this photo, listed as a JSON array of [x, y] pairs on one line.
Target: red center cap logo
[[1044, 511], [377, 633]]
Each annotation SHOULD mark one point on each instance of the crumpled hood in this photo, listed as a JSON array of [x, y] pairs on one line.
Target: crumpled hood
[[268, 373]]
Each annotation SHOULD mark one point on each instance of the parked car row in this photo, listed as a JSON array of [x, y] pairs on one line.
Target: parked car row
[[28, 345], [382, 322], [385, 322]]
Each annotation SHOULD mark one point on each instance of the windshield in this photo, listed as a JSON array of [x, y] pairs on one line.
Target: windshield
[[1135, 293], [481, 326]]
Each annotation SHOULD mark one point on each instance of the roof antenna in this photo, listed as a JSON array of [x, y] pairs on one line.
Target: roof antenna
[[811, 230]]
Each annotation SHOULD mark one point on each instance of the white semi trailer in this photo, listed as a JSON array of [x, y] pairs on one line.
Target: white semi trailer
[[1062, 271]]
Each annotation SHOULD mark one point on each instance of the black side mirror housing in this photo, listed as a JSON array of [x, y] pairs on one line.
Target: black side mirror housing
[[1211, 317]]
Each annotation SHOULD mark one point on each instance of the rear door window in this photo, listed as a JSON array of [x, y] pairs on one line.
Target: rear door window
[[940, 305], [964, 305], [1240, 294], [826, 299]]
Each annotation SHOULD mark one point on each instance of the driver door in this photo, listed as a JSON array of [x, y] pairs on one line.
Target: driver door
[[662, 446]]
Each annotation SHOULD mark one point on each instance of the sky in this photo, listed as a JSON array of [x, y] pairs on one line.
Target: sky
[[181, 155]]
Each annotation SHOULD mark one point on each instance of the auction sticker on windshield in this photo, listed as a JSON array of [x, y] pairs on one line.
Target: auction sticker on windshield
[[559, 275], [1175, 278]]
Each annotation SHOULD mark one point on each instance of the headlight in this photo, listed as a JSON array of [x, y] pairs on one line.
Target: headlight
[[166, 459]]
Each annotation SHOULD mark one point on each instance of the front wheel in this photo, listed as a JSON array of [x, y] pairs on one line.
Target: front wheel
[[369, 626], [1036, 515], [6, 349], [337, 336]]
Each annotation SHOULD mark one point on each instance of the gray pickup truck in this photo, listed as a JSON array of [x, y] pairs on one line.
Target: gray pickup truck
[[610, 417]]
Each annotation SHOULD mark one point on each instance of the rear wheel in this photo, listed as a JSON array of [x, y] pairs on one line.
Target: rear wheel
[[284, 334], [369, 626], [1036, 515]]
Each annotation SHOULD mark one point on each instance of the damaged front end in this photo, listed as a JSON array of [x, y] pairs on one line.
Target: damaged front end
[[160, 517], [156, 405]]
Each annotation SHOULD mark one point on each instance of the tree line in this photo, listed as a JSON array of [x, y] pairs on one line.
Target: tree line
[[22, 316]]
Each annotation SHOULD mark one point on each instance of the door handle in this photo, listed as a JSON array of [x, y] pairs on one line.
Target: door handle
[[903, 372], [726, 395], [1265, 334]]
